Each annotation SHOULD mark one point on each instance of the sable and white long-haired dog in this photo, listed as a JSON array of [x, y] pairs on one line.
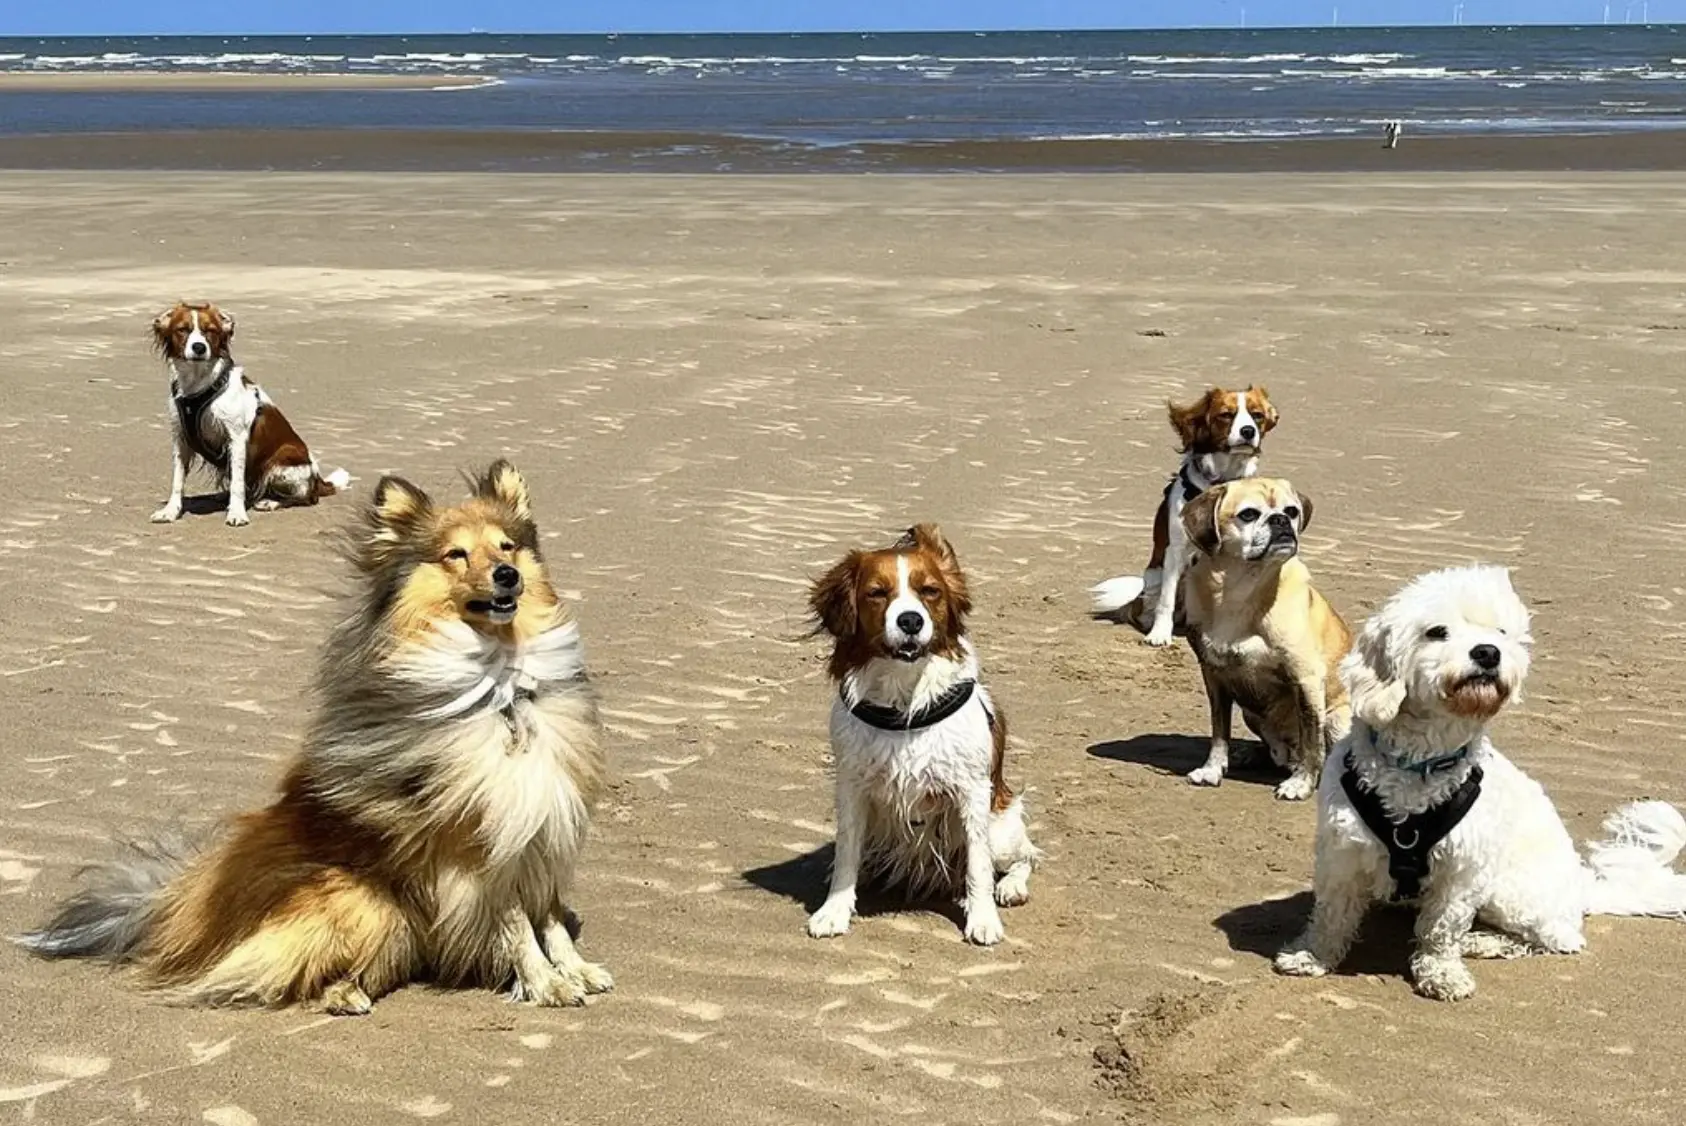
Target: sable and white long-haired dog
[[430, 826], [220, 417], [1418, 806], [1221, 436], [919, 745]]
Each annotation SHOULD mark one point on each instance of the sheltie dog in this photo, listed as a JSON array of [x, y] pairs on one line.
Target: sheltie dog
[[430, 826]]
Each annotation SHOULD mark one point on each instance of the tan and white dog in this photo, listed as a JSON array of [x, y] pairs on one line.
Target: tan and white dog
[[220, 417], [1221, 435], [918, 743], [1266, 639]]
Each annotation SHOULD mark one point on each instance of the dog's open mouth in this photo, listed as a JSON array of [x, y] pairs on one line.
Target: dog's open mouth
[[908, 651], [499, 607]]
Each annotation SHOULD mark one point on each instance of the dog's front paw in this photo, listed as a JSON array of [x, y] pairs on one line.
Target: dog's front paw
[[1300, 963], [238, 520], [1159, 636], [1298, 786], [984, 926], [1013, 889], [169, 514], [346, 999], [594, 977], [831, 920], [1443, 979], [1208, 775], [552, 990]]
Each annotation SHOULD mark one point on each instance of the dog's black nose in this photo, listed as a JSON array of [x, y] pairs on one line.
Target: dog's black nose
[[1249, 433], [1485, 656], [505, 575], [197, 348], [910, 622], [1280, 520]]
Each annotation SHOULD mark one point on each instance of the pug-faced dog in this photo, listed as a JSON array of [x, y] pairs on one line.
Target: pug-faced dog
[[1265, 638]]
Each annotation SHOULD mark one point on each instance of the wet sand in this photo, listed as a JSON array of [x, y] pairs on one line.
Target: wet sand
[[423, 150], [715, 386]]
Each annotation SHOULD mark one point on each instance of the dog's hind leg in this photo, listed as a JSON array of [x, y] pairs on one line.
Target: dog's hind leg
[[1012, 853]]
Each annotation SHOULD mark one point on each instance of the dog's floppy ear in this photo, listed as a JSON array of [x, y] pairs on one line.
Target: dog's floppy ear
[[831, 600], [1268, 417], [930, 538], [1371, 679], [161, 328], [1305, 509], [1200, 519], [1186, 421], [225, 321], [503, 483]]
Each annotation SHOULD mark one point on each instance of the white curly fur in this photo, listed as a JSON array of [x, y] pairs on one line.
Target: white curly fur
[[1510, 863]]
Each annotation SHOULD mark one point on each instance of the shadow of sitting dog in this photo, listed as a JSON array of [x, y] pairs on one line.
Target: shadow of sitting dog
[[1383, 946], [807, 878], [1249, 764]]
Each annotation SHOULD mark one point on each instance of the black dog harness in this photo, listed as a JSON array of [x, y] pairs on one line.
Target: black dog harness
[[190, 412], [944, 706], [1190, 489], [1409, 840]]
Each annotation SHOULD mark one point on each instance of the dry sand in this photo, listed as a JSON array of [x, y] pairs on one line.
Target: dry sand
[[717, 385]]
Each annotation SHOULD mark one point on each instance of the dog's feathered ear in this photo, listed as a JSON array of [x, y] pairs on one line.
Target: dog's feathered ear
[[225, 321], [503, 483], [1200, 519], [1186, 421], [161, 329], [831, 600], [394, 512], [1268, 418], [1372, 682], [930, 538]]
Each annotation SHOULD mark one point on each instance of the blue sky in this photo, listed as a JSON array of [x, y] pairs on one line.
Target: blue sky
[[118, 17]]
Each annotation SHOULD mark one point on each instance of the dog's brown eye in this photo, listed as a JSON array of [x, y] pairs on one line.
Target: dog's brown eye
[[1436, 633], [878, 593], [1291, 512], [457, 555], [930, 591], [506, 546], [1226, 418], [1247, 515]]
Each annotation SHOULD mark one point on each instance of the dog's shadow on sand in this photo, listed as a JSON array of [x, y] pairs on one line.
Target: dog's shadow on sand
[[807, 878], [1249, 762], [205, 504], [1383, 947]]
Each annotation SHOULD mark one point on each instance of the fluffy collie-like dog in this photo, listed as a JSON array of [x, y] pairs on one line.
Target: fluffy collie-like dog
[[220, 417], [429, 827], [920, 747]]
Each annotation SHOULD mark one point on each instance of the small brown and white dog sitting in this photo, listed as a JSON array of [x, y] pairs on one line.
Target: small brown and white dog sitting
[[222, 418], [1265, 638], [919, 745], [1221, 435]]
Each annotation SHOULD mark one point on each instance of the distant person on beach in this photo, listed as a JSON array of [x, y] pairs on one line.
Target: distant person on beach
[[1390, 135]]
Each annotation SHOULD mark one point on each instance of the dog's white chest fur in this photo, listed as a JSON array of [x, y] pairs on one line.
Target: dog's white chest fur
[[516, 735], [905, 770]]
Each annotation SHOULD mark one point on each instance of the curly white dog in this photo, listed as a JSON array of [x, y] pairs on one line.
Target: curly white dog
[[1417, 804]]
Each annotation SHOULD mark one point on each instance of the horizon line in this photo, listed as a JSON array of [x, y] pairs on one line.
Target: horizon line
[[599, 34]]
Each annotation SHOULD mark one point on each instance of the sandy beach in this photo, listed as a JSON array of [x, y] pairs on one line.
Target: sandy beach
[[715, 385]]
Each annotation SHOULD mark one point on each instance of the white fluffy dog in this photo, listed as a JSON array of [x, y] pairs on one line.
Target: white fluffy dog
[[1469, 837]]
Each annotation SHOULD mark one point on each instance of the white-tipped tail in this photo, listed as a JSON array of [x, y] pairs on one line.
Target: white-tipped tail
[[1115, 594], [339, 479], [1631, 868]]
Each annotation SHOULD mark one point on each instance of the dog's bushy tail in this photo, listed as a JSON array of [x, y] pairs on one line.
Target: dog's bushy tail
[[1631, 869], [327, 484], [110, 917], [1113, 595]]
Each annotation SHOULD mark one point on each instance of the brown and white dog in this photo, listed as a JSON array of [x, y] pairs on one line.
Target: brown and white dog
[[1221, 436], [919, 745], [222, 418], [1266, 639]]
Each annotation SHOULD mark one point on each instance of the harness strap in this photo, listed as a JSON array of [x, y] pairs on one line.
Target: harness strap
[[190, 413], [1409, 840]]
